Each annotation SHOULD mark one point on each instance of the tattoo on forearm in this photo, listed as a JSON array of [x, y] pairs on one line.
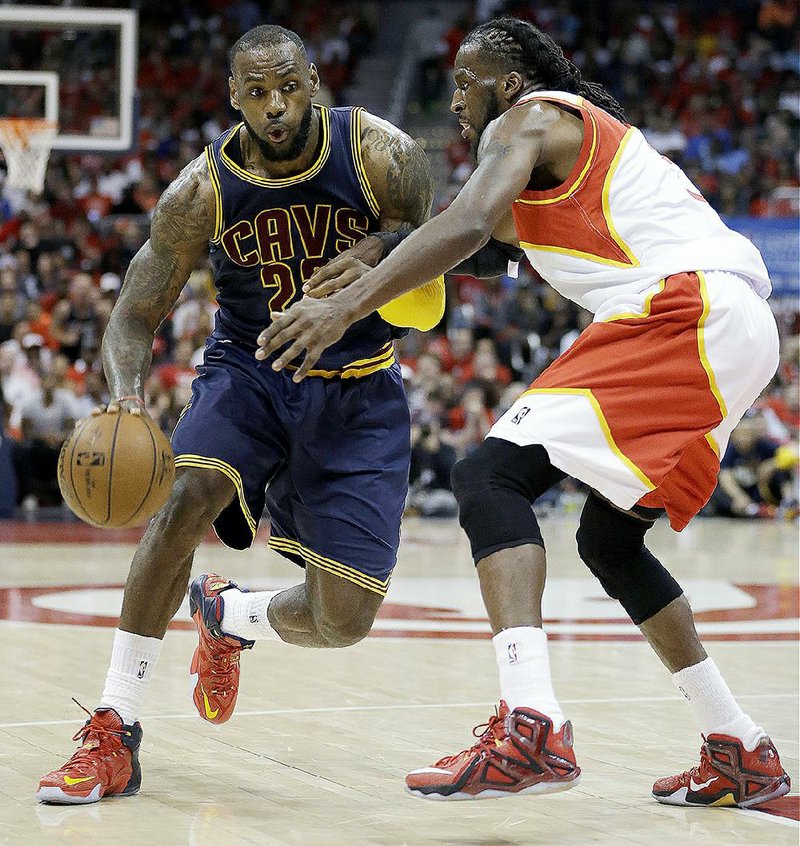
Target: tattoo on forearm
[[152, 285]]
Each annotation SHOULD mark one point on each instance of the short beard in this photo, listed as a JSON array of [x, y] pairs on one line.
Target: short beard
[[492, 112], [294, 149]]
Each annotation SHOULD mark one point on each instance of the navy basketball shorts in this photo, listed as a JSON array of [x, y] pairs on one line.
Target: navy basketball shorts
[[329, 458]]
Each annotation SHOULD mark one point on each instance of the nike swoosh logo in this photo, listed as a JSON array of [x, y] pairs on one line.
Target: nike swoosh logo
[[694, 786], [209, 713], [72, 781]]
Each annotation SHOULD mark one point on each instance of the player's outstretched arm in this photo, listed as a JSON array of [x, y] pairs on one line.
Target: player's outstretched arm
[[510, 148], [183, 223]]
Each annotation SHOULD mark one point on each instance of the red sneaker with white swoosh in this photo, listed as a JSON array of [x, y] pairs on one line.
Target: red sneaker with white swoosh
[[215, 662], [107, 763], [517, 753], [728, 776]]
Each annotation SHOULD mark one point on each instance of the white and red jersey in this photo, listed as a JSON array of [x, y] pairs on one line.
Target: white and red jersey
[[625, 218], [642, 404]]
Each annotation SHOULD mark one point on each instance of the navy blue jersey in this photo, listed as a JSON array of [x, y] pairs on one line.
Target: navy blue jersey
[[272, 234]]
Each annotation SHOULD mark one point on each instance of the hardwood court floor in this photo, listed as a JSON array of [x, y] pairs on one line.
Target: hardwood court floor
[[317, 750]]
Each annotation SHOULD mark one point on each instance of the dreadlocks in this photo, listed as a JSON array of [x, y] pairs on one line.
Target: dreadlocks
[[519, 45]]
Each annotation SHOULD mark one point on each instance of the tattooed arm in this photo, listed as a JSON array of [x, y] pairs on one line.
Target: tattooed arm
[[399, 174], [510, 148], [183, 223]]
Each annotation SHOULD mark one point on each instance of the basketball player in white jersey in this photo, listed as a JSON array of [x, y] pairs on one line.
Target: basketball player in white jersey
[[640, 407]]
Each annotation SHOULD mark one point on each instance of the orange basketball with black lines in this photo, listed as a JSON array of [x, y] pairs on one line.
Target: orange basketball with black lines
[[116, 470]]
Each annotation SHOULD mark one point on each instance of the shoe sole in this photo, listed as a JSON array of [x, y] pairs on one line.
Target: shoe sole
[[56, 796], [678, 799], [533, 790]]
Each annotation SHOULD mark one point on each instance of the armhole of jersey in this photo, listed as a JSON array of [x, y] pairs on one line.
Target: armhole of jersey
[[213, 172], [358, 161], [580, 169]]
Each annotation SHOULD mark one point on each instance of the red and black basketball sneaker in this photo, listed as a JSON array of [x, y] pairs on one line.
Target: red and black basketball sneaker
[[216, 660], [517, 753], [107, 763], [728, 776]]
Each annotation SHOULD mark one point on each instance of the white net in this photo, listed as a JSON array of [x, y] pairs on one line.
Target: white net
[[26, 144]]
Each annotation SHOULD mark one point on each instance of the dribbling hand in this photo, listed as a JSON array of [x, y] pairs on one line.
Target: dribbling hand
[[129, 405]]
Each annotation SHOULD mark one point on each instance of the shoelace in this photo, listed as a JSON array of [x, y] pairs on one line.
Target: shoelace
[[702, 772], [222, 670], [486, 734], [100, 732]]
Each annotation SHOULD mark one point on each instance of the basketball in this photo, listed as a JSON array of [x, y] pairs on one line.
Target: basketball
[[116, 470]]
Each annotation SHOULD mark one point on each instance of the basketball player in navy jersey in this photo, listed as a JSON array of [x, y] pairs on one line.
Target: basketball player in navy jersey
[[275, 197]]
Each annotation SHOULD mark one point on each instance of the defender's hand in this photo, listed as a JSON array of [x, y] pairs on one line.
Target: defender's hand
[[309, 326], [344, 269]]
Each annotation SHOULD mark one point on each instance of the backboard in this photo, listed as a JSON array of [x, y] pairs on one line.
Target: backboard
[[74, 66]]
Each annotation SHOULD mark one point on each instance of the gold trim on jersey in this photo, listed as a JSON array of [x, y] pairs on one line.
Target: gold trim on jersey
[[701, 346], [188, 459], [213, 173], [567, 251], [263, 181], [712, 442], [629, 315], [358, 161], [383, 360], [601, 419], [633, 261], [612, 168], [578, 179], [343, 571]]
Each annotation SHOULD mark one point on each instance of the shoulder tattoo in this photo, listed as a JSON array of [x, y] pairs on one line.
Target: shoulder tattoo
[[185, 212], [409, 186]]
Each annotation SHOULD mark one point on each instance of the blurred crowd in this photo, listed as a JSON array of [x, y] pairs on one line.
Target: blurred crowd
[[713, 86], [63, 256]]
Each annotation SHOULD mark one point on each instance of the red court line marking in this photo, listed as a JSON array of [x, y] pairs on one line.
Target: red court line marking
[[786, 806], [16, 603], [18, 531]]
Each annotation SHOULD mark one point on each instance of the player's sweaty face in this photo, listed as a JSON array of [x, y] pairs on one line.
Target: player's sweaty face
[[474, 100], [273, 89]]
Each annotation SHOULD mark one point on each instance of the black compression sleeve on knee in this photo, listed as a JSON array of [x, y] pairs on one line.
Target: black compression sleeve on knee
[[495, 487], [502, 520], [611, 544]]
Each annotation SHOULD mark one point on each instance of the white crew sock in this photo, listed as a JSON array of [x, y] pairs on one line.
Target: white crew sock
[[245, 614], [713, 706], [133, 658], [525, 671]]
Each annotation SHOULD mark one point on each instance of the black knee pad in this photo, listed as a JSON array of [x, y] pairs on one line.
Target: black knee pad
[[611, 544], [495, 486]]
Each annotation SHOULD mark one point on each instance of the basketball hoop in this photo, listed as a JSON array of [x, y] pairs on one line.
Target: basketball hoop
[[26, 144]]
